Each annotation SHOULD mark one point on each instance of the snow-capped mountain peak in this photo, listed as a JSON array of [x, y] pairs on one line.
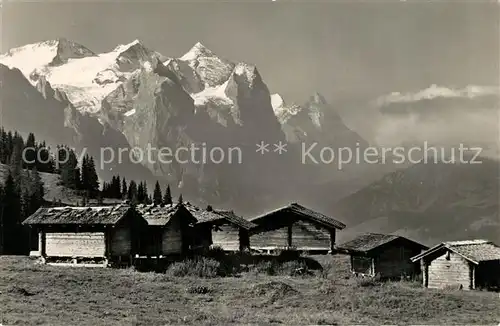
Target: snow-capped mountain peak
[[29, 57], [282, 111], [87, 78], [249, 71], [198, 50], [210, 70], [124, 47]]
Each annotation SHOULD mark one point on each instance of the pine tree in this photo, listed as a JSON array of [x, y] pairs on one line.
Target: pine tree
[[25, 204], [30, 155], [90, 181], [46, 162], [37, 192], [180, 199], [124, 189], [69, 170], [12, 215], [117, 188], [85, 173], [16, 161], [132, 192], [93, 179], [140, 193], [146, 194], [167, 198], [78, 178], [157, 196]]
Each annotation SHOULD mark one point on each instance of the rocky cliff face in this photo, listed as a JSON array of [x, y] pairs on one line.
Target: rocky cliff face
[[51, 117], [133, 97], [315, 121]]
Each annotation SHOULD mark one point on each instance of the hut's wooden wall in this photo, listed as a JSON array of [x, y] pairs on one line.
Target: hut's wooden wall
[[270, 239], [453, 272], [172, 238], [227, 237], [394, 261], [361, 265], [302, 235], [151, 241], [69, 244], [308, 236], [121, 242]]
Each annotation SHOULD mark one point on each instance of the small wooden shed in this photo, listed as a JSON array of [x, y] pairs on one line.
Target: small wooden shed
[[169, 232], [294, 226], [469, 264], [386, 255], [109, 233], [222, 228]]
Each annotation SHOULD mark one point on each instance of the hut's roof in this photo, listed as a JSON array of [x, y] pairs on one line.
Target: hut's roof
[[218, 215], [160, 215], [215, 215], [301, 211], [475, 251], [105, 215], [370, 241]]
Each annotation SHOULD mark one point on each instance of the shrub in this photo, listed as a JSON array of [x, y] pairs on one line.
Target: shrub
[[230, 263], [288, 268], [294, 268], [200, 267], [266, 267]]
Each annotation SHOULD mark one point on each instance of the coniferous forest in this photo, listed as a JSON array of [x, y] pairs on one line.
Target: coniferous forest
[[22, 188]]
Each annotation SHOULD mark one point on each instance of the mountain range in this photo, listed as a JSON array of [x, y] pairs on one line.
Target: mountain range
[[133, 97]]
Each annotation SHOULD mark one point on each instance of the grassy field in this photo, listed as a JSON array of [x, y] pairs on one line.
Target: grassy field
[[34, 295]]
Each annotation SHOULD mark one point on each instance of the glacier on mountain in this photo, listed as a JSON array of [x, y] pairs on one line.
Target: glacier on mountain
[[85, 77]]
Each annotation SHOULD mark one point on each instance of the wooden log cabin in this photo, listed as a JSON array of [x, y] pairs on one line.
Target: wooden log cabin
[[220, 228], [169, 232], [87, 234], [470, 264], [386, 255], [294, 226]]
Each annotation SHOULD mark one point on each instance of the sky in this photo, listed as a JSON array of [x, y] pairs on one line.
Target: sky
[[344, 50]]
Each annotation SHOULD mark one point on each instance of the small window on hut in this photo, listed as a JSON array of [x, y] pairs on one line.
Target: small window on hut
[[448, 255]]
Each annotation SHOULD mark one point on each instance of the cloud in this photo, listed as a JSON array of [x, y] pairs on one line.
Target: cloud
[[439, 115], [437, 92]]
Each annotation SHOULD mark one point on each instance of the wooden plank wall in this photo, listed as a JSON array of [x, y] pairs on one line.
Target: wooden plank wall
[[227, 237], [172, 238], [274, 238], [306, 235], [452, 272], [395, 262], [84, 244], [121, 243]]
